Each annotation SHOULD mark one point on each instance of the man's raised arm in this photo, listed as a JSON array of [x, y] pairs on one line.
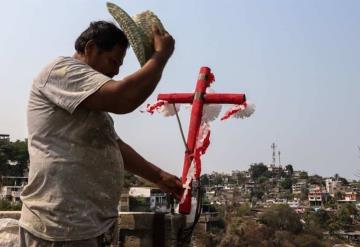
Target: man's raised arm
[[126, 95]]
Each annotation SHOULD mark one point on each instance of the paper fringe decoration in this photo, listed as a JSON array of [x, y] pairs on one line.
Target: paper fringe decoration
[[163, 107], [211, 78], [151, 108], [210, 111], [240, 111]]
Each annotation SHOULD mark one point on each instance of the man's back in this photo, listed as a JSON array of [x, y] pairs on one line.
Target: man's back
[[75, 165]]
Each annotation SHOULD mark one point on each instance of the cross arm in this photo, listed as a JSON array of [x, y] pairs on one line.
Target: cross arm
[[177, 97], [224, 98], [211, 98]]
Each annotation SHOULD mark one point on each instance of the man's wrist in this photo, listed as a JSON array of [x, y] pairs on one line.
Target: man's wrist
[[156, 174], [160, 58]]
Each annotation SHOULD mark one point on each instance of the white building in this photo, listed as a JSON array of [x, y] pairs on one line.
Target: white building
[[11, 193], [151, 199], [299, 187], [275, 169], [333, 186]]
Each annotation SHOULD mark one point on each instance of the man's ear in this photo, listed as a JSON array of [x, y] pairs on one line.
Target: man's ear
[[89, 48]]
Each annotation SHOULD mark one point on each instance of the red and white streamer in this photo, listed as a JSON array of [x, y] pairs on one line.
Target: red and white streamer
[[151, 108], [202, 143], [211, 111], [240, 111], [163, 107]]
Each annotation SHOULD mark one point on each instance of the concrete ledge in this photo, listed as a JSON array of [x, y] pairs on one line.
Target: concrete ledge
[[10, 214], [150, 229], [140, 229]]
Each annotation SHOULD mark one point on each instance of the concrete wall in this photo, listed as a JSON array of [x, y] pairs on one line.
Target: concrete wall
[[139, 229]]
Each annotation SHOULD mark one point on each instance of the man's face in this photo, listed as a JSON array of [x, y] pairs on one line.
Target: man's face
[[107, 62]]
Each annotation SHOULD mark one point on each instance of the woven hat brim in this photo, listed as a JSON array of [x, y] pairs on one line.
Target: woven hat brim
[[145, 20], [131, 30]]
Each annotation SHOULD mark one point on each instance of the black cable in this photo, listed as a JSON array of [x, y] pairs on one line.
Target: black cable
[[186, 234]]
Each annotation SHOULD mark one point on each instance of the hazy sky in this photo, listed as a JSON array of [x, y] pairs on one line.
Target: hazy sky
[[299, 61]]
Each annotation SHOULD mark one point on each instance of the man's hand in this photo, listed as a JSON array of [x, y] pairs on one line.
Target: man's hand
[[170, 183], [163, 43], [136, 164]]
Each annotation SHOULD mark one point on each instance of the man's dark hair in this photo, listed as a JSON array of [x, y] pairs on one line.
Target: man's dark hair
[[104, 34]]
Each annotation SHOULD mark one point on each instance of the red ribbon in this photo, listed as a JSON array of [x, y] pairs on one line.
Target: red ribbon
[[151, 108], [233, 110]]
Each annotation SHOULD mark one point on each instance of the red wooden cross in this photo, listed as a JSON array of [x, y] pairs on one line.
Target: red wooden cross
[[197, 99]]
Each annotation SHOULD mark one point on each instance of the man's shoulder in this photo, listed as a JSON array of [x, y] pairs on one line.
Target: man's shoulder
[[44, 73], [62, 61], [58, 67]]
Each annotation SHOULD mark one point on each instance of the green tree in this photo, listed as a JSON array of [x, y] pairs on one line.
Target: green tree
[[218, 179], [6, 205], [16, 152], [303, 175], [243, 210], [286, 183], [257, 170], [204, 180], [241, 179], [307, 240], [290, 170], [343, 217], [339, 195], [257, 194], [321, 218], [282, 217], [316, 179], [304, 194], [344, 181]]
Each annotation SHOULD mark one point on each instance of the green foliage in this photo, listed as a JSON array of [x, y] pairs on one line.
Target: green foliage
[[289, 168], [6, 205], [258, 170], [262, 180], [318, 220], [218, 180], [139, 204], [13, 151], [282, 217], [316, 179], [322, 218], [243, 210], [339, 195], [304, 194], [241, 179], [344, 181], [204, 180], [286, 183], [257, 194], [333, 227], [307, 240], [282, 229], [303, 175], [344, 215]]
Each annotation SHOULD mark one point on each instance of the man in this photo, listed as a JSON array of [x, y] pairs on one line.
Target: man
[[76, 157]]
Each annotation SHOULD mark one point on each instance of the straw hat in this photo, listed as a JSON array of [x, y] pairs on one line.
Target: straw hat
[[138, 30]]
